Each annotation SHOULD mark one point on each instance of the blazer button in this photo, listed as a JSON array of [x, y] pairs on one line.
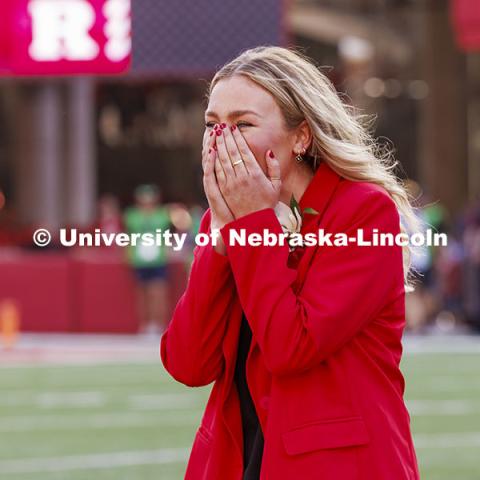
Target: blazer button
[[264, 401]]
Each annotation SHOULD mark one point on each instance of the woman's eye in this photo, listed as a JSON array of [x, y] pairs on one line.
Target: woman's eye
[[239, 124]]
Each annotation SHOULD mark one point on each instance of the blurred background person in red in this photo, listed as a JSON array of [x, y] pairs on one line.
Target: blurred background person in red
[[109, 214]]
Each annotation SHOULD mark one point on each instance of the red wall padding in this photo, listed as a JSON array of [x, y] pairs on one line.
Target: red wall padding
[[39, 285], [56, 292]]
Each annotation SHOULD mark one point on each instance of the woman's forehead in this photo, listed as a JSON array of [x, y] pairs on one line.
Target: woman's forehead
[[238, 95]]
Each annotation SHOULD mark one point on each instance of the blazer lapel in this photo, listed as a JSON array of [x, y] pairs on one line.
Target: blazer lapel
[[317, 196], [319, 191]]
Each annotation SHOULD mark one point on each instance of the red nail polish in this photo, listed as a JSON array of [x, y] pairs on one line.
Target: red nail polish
[[233, 127], [270, 154], [209, 150], [219, 132], [211, 133], [216, 126], [223, 125]]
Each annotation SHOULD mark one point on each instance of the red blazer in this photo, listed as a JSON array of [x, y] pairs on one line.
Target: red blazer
[[323, 366]]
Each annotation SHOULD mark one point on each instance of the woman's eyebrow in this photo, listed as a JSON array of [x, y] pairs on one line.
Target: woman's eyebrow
[[235, 113]]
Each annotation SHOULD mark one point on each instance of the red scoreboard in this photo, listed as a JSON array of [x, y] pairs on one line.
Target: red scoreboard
[[62, 37]]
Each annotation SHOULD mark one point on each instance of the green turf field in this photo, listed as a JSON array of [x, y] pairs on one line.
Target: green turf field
[[133, 422]]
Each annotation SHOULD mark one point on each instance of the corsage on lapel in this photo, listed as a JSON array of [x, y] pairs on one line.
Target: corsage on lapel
[[291, 220]]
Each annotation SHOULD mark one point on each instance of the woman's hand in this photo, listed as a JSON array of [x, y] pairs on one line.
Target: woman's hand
[[220, 212], [244, 186]]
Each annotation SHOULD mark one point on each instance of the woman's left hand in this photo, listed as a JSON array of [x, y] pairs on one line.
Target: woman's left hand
[[244, 186]]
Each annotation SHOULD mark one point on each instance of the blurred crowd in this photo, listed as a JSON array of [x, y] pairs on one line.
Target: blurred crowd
[[447, 283]]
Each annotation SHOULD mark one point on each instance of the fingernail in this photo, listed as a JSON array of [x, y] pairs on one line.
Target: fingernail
[[233, 127], [219, 132], [223, 125], [211, 133], [209, 150], [270, 154], [215, 126]]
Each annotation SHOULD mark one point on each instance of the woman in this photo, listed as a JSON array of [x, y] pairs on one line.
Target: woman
[[304, 354]]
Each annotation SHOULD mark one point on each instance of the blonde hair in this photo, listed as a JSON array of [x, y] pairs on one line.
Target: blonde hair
[[341, 136]]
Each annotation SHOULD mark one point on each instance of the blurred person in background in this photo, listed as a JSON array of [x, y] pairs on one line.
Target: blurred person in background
[[179, 259], [110, 222], [109, 216], [423, 304], [416, 302], [471, 242], [448, 270], [149, 262], [435, 216], [440, 275], [196, 213]]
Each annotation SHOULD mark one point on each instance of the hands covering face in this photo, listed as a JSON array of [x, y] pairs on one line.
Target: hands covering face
[[234, 183]]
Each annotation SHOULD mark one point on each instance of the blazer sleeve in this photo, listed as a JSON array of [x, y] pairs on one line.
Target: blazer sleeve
[[191, 346], [344, 288]]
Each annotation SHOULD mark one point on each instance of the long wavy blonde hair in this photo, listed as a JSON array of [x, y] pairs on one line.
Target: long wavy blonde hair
[[341, 136]]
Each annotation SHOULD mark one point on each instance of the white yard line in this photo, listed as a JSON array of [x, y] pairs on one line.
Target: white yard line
[[459, 344], [80, 361], [447, 440], [75, 399], [452, 383], [164, 401], [54, 399], [70, 399], [94, 461], [24, 423], [442, 407]]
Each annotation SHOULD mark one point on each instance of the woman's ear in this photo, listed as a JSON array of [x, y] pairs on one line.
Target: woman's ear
[[304, 136]]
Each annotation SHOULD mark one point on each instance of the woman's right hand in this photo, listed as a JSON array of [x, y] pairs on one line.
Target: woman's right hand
[[220, 212]]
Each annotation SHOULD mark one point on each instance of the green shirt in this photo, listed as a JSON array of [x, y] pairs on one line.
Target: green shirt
[[140, 221]]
